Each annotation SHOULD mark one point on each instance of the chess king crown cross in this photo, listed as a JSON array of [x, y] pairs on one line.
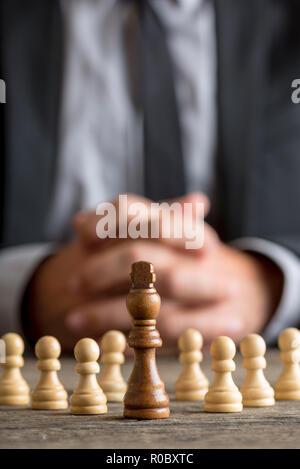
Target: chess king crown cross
[[142, 275], [143, 301]]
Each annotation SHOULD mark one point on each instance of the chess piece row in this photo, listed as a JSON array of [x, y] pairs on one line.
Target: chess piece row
[[49, 394], [223, 395], [192, 385], [145, 397]]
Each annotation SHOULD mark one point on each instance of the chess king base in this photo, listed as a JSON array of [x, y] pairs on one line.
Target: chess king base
[[147, 414], [147, 399]]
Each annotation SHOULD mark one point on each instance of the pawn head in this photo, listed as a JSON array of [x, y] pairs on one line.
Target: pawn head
[[289, 339], [14, 344], [253, 346], [222, 348], [47, 347], [190, 340], [113, 341], [86, 350]]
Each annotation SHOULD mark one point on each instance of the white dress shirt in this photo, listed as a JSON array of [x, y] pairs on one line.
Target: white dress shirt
[[101, 139], [101, 149]]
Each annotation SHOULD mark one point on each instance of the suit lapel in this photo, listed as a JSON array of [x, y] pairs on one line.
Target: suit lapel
[[31, 65], [240, 28]]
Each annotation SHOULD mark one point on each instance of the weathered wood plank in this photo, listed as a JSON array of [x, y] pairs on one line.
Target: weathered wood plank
[[187, 427]]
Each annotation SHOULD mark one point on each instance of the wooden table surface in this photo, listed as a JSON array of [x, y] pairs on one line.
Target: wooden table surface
[[187, 427]]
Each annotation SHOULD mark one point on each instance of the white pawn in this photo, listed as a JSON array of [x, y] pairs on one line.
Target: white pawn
[[192, 384], [256, 390], [49, 393], [111, 380], [287, 386], [13, 388], [88, 398], [223, 395]]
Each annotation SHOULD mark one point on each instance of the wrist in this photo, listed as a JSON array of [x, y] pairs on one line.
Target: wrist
[[270, 279]]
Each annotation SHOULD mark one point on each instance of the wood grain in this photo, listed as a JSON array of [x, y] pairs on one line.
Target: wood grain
[[187, 427]]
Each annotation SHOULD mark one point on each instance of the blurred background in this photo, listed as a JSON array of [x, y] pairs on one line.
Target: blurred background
[[174, 100]]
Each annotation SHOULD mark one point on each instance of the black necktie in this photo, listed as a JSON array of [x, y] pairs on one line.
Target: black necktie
[[164, 168]]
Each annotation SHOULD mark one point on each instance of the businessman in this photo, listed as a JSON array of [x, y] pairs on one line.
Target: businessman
[[186, 100]]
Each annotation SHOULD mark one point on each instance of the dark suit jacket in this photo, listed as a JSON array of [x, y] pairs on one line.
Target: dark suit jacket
[[258, 126]]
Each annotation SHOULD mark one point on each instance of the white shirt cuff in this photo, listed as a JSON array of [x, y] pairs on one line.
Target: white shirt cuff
[[17, 265], [288, 311]]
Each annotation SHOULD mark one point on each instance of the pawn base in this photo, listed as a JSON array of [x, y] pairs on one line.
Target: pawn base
[[257, 396], [49, 405], [15, 400], [114, 396], [259, 402], [88, 410], [287, 395], [222, 408], [190, 395]]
